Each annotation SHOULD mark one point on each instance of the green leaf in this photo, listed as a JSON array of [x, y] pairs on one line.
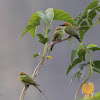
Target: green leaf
[[43, 40], [91, 15], [62, 15], [96, 69], [92, 5], [73, 54], [40, 36], [36, 54], [75, 51], [75, 62], [82, 53], [34, 19], [81, 66], [43, 17], [98, 20], [50, 14], [93, 47], [83, 30], [49, 57], [33, 22], [33, 31], [71, 41], [78, 17], [77, 75], [97, 63]]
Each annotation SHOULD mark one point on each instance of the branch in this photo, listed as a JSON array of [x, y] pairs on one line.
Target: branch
[[23, 92], [87, 77], [52, 43], [82, 27], [79, 89]]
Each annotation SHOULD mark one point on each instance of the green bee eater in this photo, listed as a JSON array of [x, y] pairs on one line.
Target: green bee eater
[[69, 29], [57, 35], [27, 80]]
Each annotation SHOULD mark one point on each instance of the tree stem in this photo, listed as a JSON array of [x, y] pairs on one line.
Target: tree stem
[[90, 74]]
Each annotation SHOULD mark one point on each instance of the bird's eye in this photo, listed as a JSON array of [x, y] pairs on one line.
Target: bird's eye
[[21, 74]]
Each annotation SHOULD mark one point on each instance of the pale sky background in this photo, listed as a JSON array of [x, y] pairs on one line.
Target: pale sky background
[[16, 53]]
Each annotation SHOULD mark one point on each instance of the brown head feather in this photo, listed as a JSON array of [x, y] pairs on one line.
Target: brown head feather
[[22, 73], [58, 28], [67, 24]]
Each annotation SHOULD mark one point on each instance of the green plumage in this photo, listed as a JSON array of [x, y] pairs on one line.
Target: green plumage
[[27, 80], [58, 35], [71, 31]]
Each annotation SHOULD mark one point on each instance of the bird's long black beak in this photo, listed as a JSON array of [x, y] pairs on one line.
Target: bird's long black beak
[[61, 25]]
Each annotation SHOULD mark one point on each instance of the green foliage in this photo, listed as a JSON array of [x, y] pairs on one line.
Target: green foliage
[[75, 51], [84, 30], [90, 9], [47, 17], [91, 15], [82, 53], [33, 22], [96, 66], [95, 97], [43, 40], [78, 74], [73, 54], [50, 14], [43, 17], [49, 57], [81, 66], [93, 47], [36, 54], [78, 17], [75, 62], [63, 16]]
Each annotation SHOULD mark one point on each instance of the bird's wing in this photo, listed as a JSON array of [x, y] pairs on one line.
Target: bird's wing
[[55, 35], [29, 80], [71, 31]]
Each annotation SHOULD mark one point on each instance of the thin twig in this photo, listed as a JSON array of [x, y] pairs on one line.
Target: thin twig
[[79, 89], [23, 92], [82, 27], [52, 43], [38, 67], [86, 79]]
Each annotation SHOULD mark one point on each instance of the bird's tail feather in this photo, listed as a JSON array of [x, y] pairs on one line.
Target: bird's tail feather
[[78, 38], [51, 49], [41, 91], [38, 88]]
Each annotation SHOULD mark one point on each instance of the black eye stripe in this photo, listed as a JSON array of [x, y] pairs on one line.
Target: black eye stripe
[[21, 74]]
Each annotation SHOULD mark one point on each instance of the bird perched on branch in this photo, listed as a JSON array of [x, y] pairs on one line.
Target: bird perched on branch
[[57, 35], [69, 29], [27, 80]]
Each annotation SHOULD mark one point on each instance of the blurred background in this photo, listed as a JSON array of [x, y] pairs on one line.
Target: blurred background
[[16, 53]]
